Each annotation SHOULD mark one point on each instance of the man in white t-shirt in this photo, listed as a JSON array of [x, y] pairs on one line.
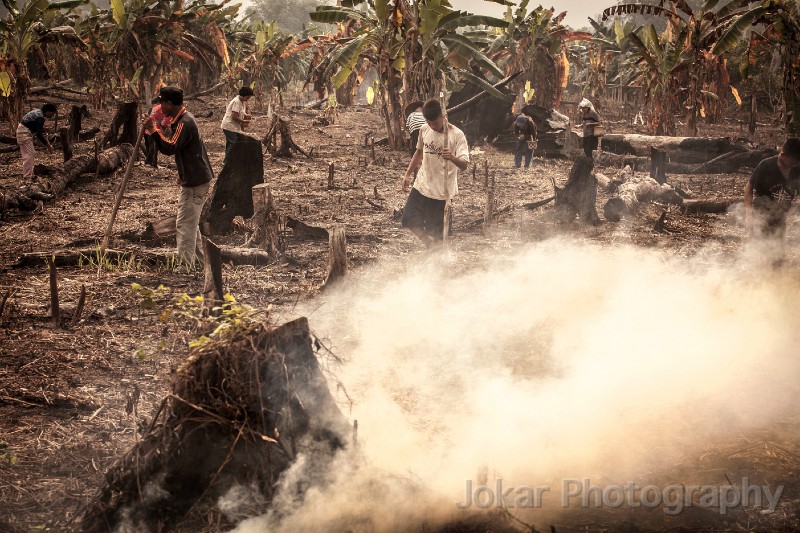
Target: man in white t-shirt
[[236, 118], [437, 181]]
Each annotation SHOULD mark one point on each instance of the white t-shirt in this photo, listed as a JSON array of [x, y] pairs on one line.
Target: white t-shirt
[[431, 177], [234, 106]]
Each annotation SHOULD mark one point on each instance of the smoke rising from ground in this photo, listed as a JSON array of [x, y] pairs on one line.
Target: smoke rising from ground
[[560, 360]]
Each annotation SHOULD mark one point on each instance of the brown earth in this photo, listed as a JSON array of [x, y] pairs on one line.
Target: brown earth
[[67, 396]]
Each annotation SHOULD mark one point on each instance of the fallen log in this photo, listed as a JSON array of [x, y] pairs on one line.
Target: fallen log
[[685, 149], [301, 230], [241, 410], [708, 206], [733, 161], [46, 188], [635, 191], [149, 258]]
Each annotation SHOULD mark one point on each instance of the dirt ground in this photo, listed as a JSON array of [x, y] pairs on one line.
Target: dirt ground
[[72, 399]]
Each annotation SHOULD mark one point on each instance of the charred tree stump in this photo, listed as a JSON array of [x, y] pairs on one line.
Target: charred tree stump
[[658, 165], [239, 411], [232, 193], [266, 221], [579, 195], [76, 115], [331, 184], [47, 188], [54, 309], [212, 259], [751, 126], [280, 125], [125, 119], [66, 143], [337, 256]]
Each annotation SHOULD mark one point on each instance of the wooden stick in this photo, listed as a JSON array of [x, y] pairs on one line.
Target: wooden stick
[[54, 310], [79, 310], [121, 192]]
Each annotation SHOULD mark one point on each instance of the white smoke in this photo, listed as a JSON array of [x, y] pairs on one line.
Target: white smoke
[[561, 359]]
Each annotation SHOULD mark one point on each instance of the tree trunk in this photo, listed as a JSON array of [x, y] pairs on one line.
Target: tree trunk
[[751, 126], [658, 164], [579, 195], [125, 119], [241, 409], [212, 259], [48, 187], [266, 221], [66, 143], [337, 256], [232, 192], [280, 125]]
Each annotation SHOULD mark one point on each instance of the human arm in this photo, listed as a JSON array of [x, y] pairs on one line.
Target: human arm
[[459, 154], [177, 140], [457, 160], [416, 160]]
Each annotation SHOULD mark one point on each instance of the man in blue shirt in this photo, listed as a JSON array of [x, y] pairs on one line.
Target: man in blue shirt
[[32, 125]]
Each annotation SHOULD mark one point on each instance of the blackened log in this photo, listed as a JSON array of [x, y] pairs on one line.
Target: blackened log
[[125, 119], [579, 195], [658, 164]]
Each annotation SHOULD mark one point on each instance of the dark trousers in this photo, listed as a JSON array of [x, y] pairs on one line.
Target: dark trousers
[[589, 144], [521, 151], [231, 137]]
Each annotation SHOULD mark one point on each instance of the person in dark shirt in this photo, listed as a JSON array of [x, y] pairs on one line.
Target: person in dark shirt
[[589, 119], [32, 125], [525, 130], [770, 190], [194, 169]]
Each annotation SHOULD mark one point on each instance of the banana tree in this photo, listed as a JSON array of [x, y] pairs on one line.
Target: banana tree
[[21, 33], [536, 43], [775, 23], [140, 41], [377, 37], [445, 44], [704, 81]]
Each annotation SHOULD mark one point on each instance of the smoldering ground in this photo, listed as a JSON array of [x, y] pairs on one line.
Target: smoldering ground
[[560, 360]]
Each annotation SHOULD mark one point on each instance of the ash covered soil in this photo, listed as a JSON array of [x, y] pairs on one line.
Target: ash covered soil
[[73, 399]]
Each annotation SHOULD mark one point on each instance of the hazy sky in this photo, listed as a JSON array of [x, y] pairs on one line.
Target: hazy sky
[[577, 10]]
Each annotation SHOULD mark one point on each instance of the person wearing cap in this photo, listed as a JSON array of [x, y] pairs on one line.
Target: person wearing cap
[[414, 122], [437, 181], [32, 125], [769, 192], [194, 169], [525, 130], [589, 119], [236, 118]]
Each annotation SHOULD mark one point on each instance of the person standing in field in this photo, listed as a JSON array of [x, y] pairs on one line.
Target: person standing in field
[[437, 181], [525, 130], [32, 125], [589, 119], [194, 169], [414, 122], [768, 195], [236, 118]]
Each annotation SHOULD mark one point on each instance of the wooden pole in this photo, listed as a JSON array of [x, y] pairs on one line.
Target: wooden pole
[[331, 183], [121, 191], [54, 310], [488, 213]]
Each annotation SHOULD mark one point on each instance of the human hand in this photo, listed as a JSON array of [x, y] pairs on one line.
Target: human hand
[[406, 183], [447, 155], [148, 123], [521, 137]]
